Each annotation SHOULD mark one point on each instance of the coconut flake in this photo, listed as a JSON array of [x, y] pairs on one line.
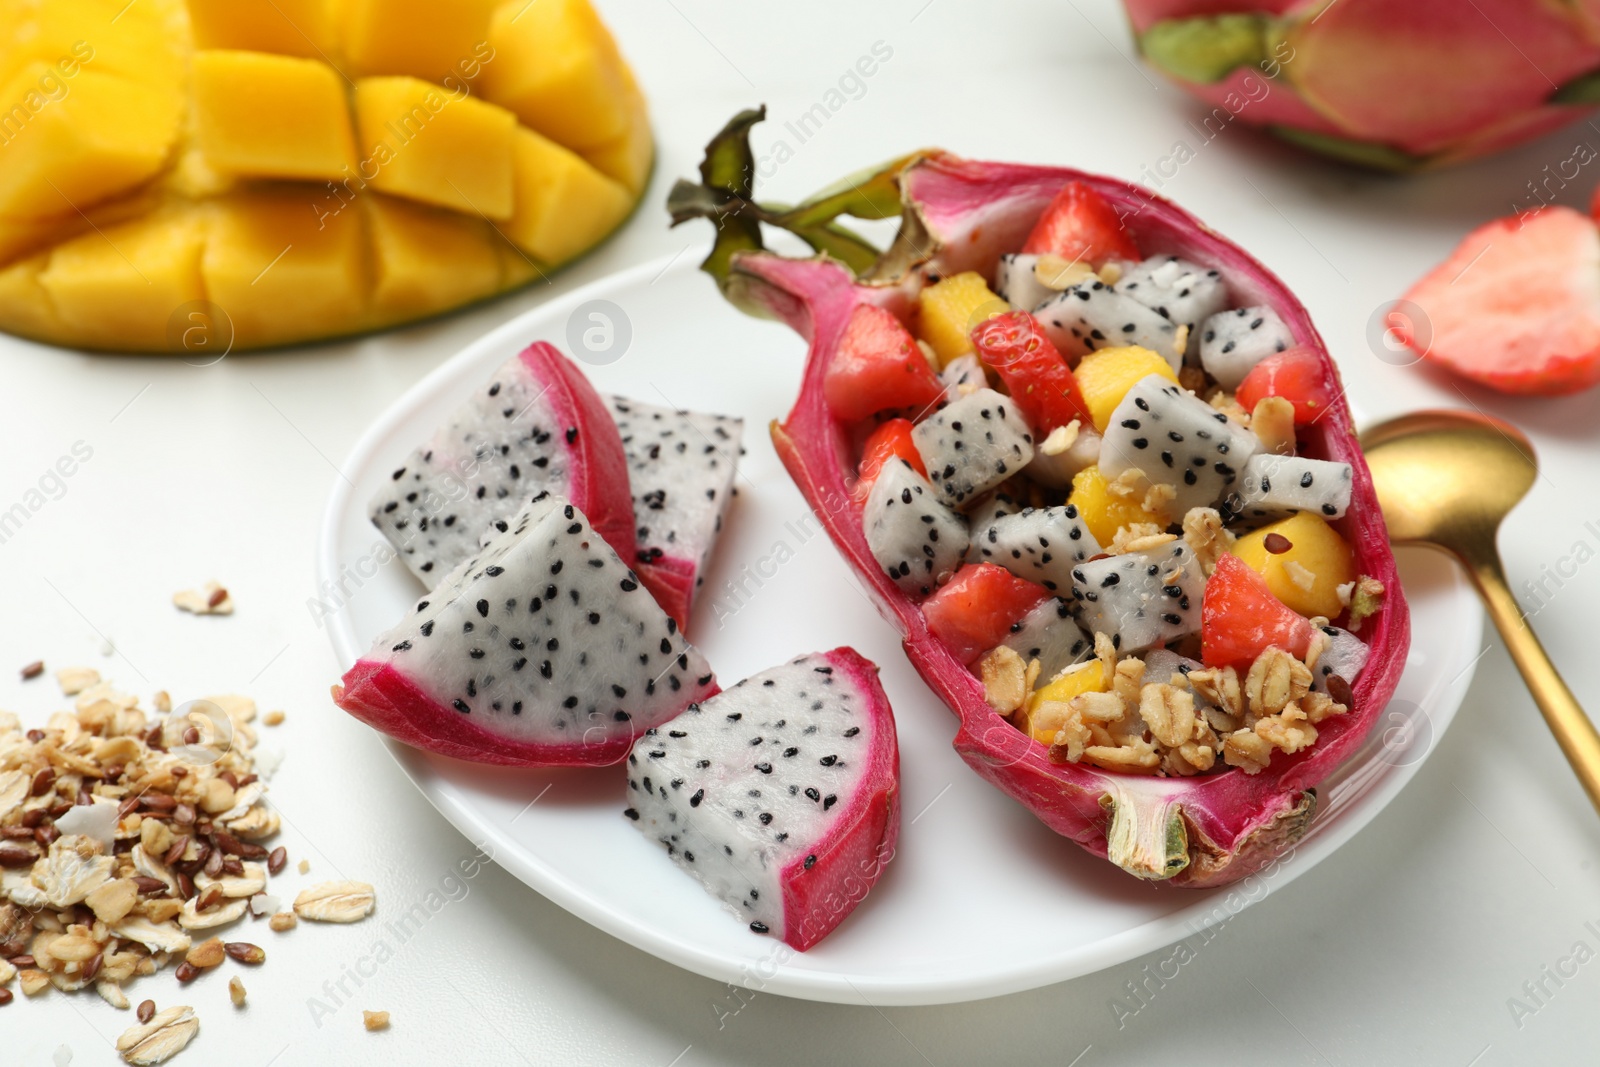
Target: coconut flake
[[97, 821]]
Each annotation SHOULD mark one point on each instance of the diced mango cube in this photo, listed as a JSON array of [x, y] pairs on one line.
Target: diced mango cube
[[1074, 681], [1103, 511], [429, 144], [557, 67], [122, 285], [288, 27], [25, 307], [143, 41], [269, 116], [426, 259], [1307, 575], [1104, 378], [949, 309], [58, 155], [563, 205], [280, 272], [628, 158], [441, 42]]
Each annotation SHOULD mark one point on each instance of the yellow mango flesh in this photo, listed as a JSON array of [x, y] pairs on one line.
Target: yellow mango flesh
[[1306, 577], [562, 203], [125, 283], [25, 307], [426, 259], [1075, 681], [105, 135], [949, 309], [1102, 512], [287, 27], [276, 275], [431, 145], [1104, 378], [629, 156], [557, 68], [431, 39], [268, 116], [140, 41]]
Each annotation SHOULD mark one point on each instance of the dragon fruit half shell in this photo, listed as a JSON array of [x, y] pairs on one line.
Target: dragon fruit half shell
[[958, 215]]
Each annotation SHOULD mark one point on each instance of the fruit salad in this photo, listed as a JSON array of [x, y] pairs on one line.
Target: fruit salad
[[1095, 463]]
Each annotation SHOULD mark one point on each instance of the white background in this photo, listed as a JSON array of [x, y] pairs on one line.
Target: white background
[[1403, 948]]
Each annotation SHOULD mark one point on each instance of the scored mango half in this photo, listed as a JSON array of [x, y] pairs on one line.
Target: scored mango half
[[299, 169]]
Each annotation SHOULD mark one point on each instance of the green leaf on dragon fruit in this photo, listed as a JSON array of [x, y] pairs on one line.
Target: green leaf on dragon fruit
[[1582, 90], [1206, 49], [1346, 150], [871, 193]]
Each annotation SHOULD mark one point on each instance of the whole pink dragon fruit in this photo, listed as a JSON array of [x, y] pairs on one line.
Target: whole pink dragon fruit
[[1396, 84]]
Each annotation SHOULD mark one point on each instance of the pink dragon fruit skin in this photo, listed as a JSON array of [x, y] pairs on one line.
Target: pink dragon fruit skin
[[1391, 83], [1192, 831]]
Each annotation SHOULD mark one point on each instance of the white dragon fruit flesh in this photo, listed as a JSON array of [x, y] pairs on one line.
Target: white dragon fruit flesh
[[681, 467], [781, 795], [1233, 342], [1040, 545], [542, 649], [961, 376], [914, 537], [1141, 599], [1093, 315], [1176, 439], [1049, 634], [1161, 664], [972, 445], [1055, 466], [1181, 292], [1345, 656], [1272, 487], [1016, 283], [536, 426]]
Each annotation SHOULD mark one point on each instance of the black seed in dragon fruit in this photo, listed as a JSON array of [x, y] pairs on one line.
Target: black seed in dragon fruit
[[972, 445], [1344, 656], [1161, 664], [1233, 342], [1176, 439], [1141, 599], [681, 467], [1181, 292], [542, 649], [1093, 315], [916, 539], [536, 426], [1050, 635], [1016, 283], [1273, 487], [1040, 545], [961, 376], [781, 795]]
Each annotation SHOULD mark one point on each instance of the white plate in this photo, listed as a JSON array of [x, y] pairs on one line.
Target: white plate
[[981, 899]]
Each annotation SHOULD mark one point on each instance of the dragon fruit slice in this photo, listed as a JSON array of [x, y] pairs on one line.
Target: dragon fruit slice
[[961, 376], [542, 649], [681, 466], [1345, 656], [1141, 599], [1272, 487], [1233, 342], [1176, 439], [1093, 315], [1379, 82], [959, 215], [1049, 635], [536, 426], [913, 535], [1181, 292], [781, 795], [1042, 545], [1016, 283], [973, 445]]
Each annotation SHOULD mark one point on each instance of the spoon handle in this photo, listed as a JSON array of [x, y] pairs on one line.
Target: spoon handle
[[1574, 731]]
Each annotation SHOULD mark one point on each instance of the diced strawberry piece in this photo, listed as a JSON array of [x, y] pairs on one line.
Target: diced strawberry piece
[[975, 610], [1298, 375], [1081, 225], [1240, 618], [1038, 379], [891, 440], [1515, 307], [878, 366]]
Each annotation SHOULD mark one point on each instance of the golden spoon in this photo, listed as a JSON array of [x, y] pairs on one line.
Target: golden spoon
[[1446, 479]]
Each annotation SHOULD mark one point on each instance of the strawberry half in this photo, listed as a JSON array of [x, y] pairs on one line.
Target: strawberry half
[[1298, 375], [878, 367], [975, 610], [1081, 225], [1240, 618], [1516, 306], [891, 440], [1038, 379]]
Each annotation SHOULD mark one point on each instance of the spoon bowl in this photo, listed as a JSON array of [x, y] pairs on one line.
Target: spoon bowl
[[1446, 479]]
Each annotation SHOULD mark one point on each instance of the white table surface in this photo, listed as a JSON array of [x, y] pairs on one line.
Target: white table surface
[[1406, 947]]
